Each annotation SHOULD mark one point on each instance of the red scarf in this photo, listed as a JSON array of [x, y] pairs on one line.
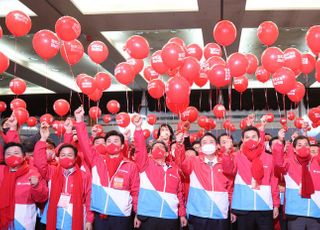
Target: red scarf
[[253, 155], [113, 164], [76, 199], [7, 195], [307, 187]]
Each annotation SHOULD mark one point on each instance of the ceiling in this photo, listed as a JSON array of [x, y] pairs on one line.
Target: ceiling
[[113, 22]]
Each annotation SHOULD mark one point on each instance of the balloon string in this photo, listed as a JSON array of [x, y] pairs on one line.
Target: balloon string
[[284, 104], [46, 72], [217, 96], [230, 99], [97, 119], [278, 103], [225, 52], [252, 100], [266, 96], [200, 101], [132, 99], [307, 92], [210, 98], [165, 107], [240, 101], [15, 63], [127, 99]]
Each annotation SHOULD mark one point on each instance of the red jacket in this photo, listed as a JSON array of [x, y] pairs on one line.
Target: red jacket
[[26, 197], [48, 171], [111, 196], [161, 191]]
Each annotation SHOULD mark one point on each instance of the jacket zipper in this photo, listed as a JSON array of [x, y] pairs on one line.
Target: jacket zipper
[[164, 189], [64, 210], [212, 188]]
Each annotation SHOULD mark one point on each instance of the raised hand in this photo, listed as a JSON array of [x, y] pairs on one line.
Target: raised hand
[[12, 122], [68, 125], [281, 134], [44, 131], [137, 121], [79, 114]]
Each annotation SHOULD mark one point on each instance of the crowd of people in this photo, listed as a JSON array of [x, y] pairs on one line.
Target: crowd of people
[[106, 180]]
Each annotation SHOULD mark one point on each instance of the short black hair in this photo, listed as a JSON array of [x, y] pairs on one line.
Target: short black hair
[[4, 121], [170, 129], [195, 142], [75, 150], [172, 143], [250, 128], [159, 142], [315, 145], [275, 138], [115, 133], [222, 135], [51, 142], [208, 134], [301, 137], [13, 144], [197, 154]]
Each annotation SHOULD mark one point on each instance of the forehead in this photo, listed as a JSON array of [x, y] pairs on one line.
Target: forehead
[[159, 145], [302, 142], [67, 150], [13, 149], [164, 128], [224, 138], [251, 133], [113, 138], [207, 139]]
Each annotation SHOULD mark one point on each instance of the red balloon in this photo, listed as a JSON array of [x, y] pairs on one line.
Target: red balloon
[[124, 73], [157, 63], [177, 108], [240, 83], [58, 127], [94, 112], [149, 73], [98, 51], [151, 119], [283, 121], [1, 32], [123, 119], [18, 103], [237, 63], [155, 134], [191, 114], [212, 50], [202, 121], [96, 95], [146, 133], [314, 114], [283, 80], [18, 23], [297, 93], [137, 47], [226, 124], [32, 121], [172, 55], [103, 80], [46, 44], [225, 33], [219, 76], [193, 137], [18, 86], [67, 28], [262, 74], [113, 106], [107, 118], [298, 123], [211, 62], [156, 88], [243, 124], [292, 59], [190, 69], [178, 41], [253, 63], [3, 106], [4, 63], [267, 33], [173, 72], [200, 133], [177, 86], [87, 84], [21, 115], [137, 64], [313, 39], [219, 111], [71, 51], [272, 59], [79, 77], [291, 115], [46, 118], [194, 50], [269, 117], [61, 107], [201, 79], [211, 124], [307, 63]]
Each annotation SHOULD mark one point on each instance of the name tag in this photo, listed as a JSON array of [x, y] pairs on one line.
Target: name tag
[[64, 201], [118, 182]]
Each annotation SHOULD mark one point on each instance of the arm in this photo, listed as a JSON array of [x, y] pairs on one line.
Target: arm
[[187, 165], [90, 215], [134, 187], [179, 154], [40, 192], [180, 195], [278, 160], [275, 190], [12, 135], [228, 166], [68, 135], [140, 144]]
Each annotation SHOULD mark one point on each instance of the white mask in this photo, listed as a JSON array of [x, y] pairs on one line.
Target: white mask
[[208, 149]]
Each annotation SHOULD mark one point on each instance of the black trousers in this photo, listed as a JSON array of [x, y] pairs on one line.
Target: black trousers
[[303, 223], [112, 222], [199, 223], [153, 223], [255, 220]]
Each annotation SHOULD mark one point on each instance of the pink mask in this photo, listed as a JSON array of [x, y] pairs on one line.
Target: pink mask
[[158, 153], [303, 152], [13, 161], [112, 149], [251, 144], [66, 162]]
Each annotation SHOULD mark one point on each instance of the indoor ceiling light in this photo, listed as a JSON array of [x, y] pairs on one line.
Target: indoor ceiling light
[[7, 6], [259, 5], [137, 6]]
